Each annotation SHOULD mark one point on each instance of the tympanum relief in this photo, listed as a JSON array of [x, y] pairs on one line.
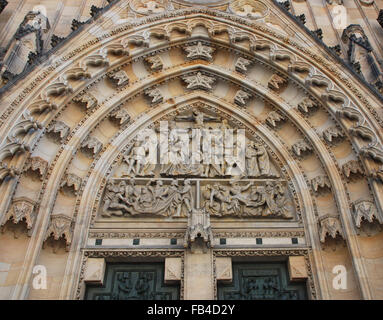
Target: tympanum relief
[[197, 161]]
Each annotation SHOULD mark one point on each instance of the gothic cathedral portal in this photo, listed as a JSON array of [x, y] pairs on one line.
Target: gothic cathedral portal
[[181, 149]]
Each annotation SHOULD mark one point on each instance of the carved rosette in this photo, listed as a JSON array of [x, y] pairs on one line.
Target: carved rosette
[[22, 209], [330, 226], [60, 226]]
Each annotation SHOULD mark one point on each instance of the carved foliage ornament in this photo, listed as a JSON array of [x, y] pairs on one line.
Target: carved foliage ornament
[[330, 226], [333, 134], [320, 182], [147, 7], [87, 99], [301, 147], [307, 105], [92, 144], [242, 64], [154, 95], [199, 81], [274, 118], [276, 82], [22, 209], [120, 115], [60, 128], [199, 51], [155, 63], [241, 98], [249, 9], [60, 226], [71, 181], [364, 210], [36, 164], [119, 78], [352, 167]]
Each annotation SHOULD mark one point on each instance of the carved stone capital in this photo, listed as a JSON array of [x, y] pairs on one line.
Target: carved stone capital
[[224, 269], [95, 271], [173, 270]]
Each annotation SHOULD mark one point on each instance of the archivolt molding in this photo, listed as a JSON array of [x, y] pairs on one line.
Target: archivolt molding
[[94, 64], [271, 99]]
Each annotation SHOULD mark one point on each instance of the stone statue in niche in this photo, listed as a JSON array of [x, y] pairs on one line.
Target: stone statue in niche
[[258, 162], [129, 199], [198, 145], [270, 200], [135, 159]]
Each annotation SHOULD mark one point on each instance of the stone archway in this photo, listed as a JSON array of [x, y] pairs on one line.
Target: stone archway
[[72, 123]]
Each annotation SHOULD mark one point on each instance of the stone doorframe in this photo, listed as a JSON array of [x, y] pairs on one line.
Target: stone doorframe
[[312, 286], [124, 254]]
